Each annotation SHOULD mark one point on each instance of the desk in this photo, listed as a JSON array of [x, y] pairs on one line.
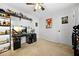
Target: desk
[[30, 38]]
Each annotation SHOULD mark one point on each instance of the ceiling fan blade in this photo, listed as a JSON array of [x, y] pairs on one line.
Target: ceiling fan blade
[[42, 8], [30, 3]]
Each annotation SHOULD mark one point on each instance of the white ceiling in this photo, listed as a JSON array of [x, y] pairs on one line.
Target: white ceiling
[[49, 8], [52, 7]]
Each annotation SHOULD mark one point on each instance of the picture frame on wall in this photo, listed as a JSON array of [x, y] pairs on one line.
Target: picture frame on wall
[[36, 24], [65, 20], [49, 23]]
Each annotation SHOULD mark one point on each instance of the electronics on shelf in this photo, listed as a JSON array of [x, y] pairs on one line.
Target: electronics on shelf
[[5, 23]]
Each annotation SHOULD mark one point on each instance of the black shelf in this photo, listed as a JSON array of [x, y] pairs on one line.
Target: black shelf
[[75, 40], [16, 43], [16, 15], [4, 34], [19, 16], [5, 25]]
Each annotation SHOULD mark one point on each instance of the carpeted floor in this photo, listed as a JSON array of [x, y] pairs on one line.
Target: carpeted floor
[[41, 48]]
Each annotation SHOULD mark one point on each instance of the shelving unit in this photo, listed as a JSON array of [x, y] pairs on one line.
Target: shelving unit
[[4, 47], [75, 40], [4, 34], [5, 37], [4, 14], [5, 25]]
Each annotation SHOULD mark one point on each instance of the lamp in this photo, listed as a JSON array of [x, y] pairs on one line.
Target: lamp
[[38, 6]]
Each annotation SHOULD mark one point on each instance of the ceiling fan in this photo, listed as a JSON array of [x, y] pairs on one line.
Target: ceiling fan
[[37, 6]]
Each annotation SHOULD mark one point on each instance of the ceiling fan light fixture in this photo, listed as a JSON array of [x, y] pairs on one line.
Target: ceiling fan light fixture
[[36, 6], [39, 7]]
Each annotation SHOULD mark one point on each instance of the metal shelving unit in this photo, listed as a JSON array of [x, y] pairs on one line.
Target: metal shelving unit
[[6, 46], [5, 43]]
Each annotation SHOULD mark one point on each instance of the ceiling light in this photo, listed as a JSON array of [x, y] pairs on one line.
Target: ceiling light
[[36, 6], [39, 7]]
